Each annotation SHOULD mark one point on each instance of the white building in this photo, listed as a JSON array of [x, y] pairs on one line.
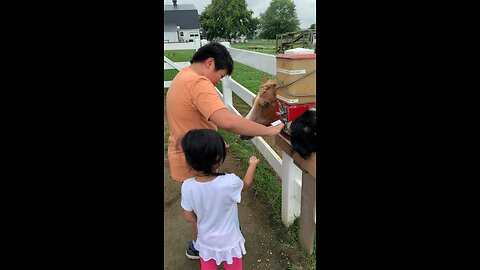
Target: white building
[[180, 23]]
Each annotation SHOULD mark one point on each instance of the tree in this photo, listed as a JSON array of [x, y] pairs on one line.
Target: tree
[[254, 23], [227, 19], [279, 18]]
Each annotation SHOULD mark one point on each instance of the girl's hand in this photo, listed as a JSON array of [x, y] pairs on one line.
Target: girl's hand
[[253, 160], [227, 146]]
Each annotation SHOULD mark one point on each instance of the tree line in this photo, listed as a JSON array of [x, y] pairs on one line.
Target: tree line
[[227, 19]]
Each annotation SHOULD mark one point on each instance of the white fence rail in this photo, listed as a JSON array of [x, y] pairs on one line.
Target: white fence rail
[[182, 46], [261, 61], [179, 64], [290, 174]]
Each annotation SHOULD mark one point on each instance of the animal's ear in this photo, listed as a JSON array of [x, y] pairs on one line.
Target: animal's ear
[[265, 79], [276, 84]]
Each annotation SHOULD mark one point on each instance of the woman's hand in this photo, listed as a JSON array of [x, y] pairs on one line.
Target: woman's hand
[[274, 130]]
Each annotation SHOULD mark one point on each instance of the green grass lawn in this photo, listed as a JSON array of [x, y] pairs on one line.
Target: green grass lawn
[[169, 74], [249, 77], [270, 44], [267, 184], [176, 56], [179, 56]]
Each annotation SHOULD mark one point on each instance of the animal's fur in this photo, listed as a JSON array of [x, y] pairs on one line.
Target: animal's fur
[[266, 95], [264, 105], [303, 133]]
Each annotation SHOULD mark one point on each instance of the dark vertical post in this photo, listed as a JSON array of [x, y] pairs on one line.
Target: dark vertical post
[[307, 212]]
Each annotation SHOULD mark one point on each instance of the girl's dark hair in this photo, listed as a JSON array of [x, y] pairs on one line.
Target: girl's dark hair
[[223, 59], [204, 148]]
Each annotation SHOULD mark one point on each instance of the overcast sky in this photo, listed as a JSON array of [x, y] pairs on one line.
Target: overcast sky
[[305, 8]]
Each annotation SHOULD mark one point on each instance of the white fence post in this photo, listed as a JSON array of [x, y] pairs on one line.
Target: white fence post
[[290, 175], [197, 44], [227, 92]]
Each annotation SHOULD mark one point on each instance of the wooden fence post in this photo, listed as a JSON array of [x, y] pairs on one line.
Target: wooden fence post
[[307, 218], [290, 204]]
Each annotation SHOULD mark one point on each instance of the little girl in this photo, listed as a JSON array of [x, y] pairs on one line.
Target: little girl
[[210, 200]]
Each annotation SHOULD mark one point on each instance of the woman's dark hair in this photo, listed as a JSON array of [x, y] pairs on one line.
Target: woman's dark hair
[[223, 59], [204, 148]]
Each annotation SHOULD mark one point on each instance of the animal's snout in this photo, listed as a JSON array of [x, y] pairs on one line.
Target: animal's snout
[[287, 129]]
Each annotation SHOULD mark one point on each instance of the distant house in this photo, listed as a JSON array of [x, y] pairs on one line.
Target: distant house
[[240, 39], [180, 23]]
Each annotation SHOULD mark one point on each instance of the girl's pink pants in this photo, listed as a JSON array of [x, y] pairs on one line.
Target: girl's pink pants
[[212, 265]]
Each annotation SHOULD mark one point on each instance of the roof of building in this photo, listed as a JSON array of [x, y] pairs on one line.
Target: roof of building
[[170, 27], [179, 7], [186, 16]]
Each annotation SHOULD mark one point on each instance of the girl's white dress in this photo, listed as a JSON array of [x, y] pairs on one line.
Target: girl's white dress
[[215, 204]]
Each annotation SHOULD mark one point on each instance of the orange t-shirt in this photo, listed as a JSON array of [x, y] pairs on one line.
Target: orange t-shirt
[[191, 100]]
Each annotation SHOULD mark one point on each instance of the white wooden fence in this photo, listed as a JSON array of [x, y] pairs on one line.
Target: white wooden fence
[[290, 174], [182, 45]]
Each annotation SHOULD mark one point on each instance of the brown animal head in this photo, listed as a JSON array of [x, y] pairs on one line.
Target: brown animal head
[[264, 105]]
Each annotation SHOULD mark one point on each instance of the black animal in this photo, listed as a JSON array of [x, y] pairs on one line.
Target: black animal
[[303, 133]]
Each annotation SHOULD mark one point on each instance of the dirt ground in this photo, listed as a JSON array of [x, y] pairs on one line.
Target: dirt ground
[[265, 247]]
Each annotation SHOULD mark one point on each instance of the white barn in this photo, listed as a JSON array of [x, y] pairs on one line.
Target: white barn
[[180, 23]]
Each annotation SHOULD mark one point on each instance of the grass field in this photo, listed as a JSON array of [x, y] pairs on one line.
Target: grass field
[[267, 185], [269, 44], [176, 56]]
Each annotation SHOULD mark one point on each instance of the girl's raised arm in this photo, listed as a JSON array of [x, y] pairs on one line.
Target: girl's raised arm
[[252, 166]]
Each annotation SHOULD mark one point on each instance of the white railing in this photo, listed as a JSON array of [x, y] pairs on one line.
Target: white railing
[[289, 173], [182, 46], [179, 64]]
